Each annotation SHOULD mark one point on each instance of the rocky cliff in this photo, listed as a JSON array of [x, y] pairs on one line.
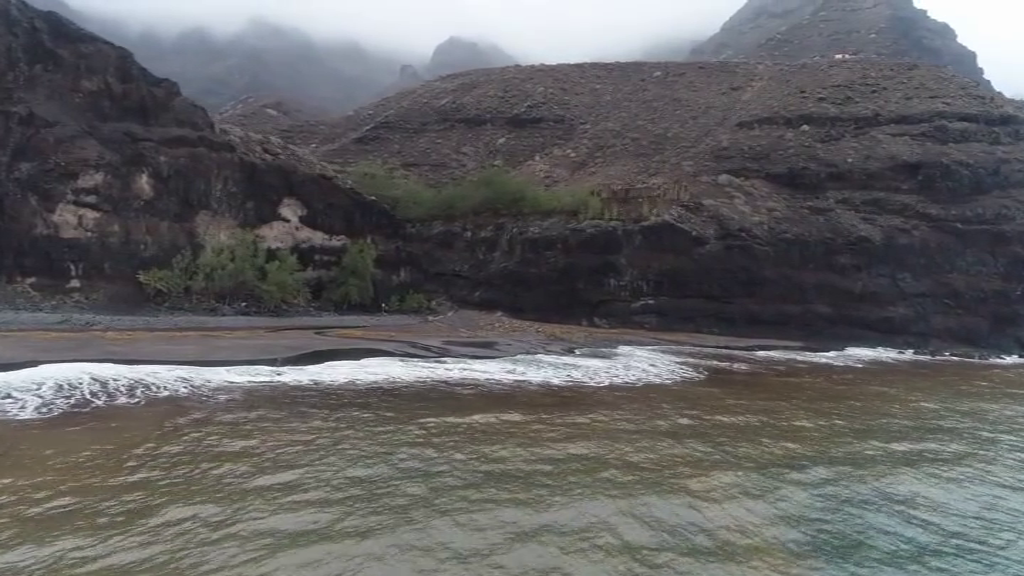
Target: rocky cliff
[[866, 201], [106, 168], [795, 30], [863, 201]]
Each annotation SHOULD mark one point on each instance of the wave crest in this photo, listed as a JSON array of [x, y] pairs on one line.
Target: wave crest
[[53, 389], [56, 388]]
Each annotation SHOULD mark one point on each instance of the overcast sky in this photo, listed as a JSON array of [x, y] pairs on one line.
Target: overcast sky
[[556, 30]]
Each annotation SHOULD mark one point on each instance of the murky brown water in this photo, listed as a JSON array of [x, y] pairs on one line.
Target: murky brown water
[[786, 469]]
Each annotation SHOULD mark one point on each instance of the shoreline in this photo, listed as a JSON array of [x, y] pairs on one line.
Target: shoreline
[[30, 339]]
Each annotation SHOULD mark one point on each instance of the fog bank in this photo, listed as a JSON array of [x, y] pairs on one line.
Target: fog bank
[[544, 31]]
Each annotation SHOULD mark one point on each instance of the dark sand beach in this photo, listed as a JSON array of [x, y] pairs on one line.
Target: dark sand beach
[[30, 339]]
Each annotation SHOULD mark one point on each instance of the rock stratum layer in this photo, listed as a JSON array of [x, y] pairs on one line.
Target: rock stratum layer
[[857, 200], [107, 169], [795, 30]]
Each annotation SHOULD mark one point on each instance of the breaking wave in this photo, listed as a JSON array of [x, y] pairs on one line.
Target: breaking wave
[[53, 389]]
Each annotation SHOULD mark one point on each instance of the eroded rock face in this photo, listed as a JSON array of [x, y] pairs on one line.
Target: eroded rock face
[[106, 168], [864, 201], [795, 30], [754, 23]]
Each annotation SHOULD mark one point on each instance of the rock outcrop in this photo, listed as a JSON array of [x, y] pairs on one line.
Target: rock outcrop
[[106, 168], [408, 77], [865, 201], [796, 30], [458, 54]]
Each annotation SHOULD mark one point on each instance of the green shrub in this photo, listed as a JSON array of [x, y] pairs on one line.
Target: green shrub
[[351, 282], [282, 283], [171, 282], [491, 192], [236, 270], [230, 271], [407, 196], [410, 303]]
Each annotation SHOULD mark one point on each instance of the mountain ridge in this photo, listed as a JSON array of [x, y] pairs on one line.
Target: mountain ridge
[[795, 30]]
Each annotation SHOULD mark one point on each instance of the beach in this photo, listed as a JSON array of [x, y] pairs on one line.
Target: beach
[[33, 338]]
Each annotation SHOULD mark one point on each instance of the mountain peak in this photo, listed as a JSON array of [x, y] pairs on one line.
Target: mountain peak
[[459, 54], [796, 30]]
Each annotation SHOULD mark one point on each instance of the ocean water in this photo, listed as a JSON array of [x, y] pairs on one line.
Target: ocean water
[[608, 462]]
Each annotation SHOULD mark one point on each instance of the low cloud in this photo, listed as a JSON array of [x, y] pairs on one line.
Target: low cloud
[[546, 31]]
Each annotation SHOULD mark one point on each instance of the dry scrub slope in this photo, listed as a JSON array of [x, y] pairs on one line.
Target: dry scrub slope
[[645, 123], [845, 199]]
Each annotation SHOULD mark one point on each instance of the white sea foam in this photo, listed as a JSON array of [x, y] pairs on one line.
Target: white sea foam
[[53, 389], [858, 357]]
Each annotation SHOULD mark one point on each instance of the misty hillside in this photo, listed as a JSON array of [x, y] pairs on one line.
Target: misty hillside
[[673, 51], [265, 60]]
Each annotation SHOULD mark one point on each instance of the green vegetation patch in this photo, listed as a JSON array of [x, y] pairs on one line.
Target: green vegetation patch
[[410, 303], [236, 270], [239, 270], [351, 282], [494, 192]]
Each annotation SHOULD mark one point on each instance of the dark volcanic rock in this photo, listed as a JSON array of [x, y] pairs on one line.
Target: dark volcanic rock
[[459, 55], [106, 168], [752, 25], [795, 30], [59, 6], [866, 201]]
